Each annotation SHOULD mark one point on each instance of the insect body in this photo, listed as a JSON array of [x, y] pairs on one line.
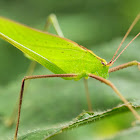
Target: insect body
[[58, 54], [63, 57]]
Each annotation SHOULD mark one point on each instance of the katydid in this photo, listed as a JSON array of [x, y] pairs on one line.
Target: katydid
[[65, 58]]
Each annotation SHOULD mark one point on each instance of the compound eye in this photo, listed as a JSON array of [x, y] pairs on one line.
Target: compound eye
[[103, 63]]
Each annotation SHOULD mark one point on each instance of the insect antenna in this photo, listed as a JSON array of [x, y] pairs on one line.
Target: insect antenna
[[127, 33], [126, 47]]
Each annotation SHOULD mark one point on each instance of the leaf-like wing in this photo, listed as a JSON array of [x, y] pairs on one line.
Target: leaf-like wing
[[58, 54]]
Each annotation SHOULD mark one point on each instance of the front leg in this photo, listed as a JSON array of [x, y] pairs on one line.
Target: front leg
[[132, 63]]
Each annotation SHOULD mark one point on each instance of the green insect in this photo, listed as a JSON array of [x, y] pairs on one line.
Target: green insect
[[65, 58]]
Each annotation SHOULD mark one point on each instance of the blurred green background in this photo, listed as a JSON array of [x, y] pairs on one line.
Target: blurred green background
[[97, 25]]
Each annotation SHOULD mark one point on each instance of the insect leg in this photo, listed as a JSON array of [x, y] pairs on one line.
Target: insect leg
[[52, 19], [88, 95], [22, 90], [132, 63], [107, 82], [12, 118]]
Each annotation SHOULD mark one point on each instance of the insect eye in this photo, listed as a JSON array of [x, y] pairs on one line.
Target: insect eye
[[103, 63]]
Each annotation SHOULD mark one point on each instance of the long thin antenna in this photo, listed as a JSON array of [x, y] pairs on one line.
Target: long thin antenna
[[125, 48], [127, 33]]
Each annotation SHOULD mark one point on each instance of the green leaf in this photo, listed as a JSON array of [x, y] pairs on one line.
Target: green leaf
[[85, 121]]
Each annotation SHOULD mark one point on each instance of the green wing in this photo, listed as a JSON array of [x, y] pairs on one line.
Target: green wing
[[57, 54]]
